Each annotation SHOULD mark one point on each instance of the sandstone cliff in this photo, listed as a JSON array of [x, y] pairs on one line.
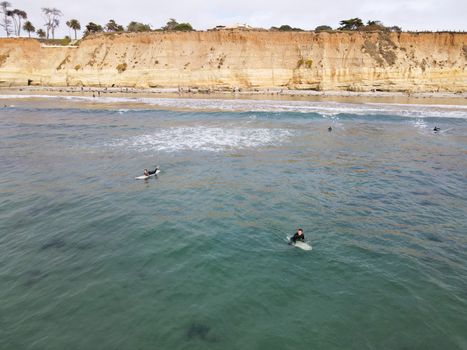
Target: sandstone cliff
[[240, 59]]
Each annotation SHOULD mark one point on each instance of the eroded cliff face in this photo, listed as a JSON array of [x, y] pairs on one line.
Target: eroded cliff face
[[239, 59]]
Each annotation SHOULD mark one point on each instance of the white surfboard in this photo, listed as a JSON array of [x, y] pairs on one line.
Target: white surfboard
[[303, 245], [144, 177], [300, 244]]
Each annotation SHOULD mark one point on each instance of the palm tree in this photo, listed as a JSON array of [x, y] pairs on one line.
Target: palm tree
[[51, 16], [74, 24], [28, 27], [40, 33], [6, 14], [17, 15]]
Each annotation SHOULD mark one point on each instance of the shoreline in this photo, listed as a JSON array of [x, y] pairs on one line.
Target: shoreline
[[418, 98]]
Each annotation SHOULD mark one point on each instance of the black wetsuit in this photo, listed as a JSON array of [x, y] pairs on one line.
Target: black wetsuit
[[297, 237], [153, 172]]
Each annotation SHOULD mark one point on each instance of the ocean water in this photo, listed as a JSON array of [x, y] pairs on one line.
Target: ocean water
[[197, 258]]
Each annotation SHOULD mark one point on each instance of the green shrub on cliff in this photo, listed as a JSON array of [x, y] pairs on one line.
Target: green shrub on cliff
[[183, 27], [173, 25], [65, 41], [323, 28], [396, 29], [121, 67], [286, 28], [138, 27], [374, 26], [92, 27], [304, 62]]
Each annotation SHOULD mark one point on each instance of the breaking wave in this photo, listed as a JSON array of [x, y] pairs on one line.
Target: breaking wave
[[214, 139]]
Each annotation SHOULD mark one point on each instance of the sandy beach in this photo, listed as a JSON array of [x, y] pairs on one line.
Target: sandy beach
[[425, 98]]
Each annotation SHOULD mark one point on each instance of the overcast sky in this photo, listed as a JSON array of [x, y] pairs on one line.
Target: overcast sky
[[306, 14]]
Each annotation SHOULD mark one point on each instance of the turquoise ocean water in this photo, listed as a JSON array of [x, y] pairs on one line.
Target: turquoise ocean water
[[197, 258]]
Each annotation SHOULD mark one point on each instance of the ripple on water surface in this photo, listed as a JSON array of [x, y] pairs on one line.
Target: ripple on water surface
[[196, 258]]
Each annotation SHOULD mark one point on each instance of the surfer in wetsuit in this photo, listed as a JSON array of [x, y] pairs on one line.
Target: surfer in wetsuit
[[148, 173], [298, 236]]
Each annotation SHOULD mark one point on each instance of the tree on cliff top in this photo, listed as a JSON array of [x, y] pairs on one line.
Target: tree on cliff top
[[74, 24], [28, 27], [396, 29], [112, 26], [374, 26], [40, 33], [18, 15], [52, 19], [351, 24], [138, 27], [92, 27], [6, 14], [171, 24]]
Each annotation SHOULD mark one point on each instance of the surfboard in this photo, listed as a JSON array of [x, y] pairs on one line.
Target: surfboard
[[300, 244], [303, 245], [144, 177]]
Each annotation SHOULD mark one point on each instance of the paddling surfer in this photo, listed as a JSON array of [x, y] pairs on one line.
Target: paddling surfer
[[149, 173], [298, 236]]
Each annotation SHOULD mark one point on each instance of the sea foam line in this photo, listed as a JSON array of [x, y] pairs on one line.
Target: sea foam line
[[242, 105]]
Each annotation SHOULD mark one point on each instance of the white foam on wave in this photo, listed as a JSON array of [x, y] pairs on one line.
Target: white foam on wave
[[420, 124], [213, 139], [327, 109]]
